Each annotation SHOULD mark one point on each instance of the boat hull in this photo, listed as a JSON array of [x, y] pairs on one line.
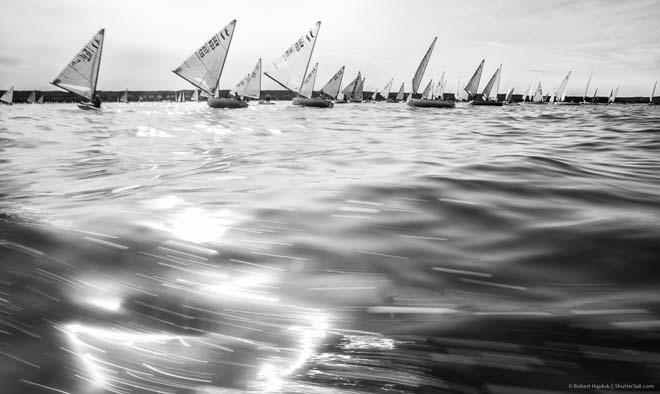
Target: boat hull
[[316, 102], [266, 102], [425, 103], [89, 107], [567, 103], [392, 101], [487, 103], [223, 102]]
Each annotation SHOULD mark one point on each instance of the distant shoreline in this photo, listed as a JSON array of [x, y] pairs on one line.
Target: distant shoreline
[[58, 96]]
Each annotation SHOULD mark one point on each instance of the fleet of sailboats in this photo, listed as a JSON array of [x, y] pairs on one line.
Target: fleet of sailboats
[[81, 74], [203, 69]]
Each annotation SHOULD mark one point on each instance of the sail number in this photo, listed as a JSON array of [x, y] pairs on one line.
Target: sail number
[[211, 45], [87, 54]]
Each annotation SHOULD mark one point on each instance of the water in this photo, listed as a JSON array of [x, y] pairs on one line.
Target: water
[[367, 248]]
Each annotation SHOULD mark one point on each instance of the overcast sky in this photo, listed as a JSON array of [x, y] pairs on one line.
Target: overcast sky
[[534, 40]]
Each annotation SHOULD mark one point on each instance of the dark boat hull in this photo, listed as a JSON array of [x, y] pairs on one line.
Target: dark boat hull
[[89, 107], [487, 103], [316, 102], [424, 103], [223, 102]]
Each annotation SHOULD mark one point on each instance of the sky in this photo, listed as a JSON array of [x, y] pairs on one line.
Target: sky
[[533, 40]]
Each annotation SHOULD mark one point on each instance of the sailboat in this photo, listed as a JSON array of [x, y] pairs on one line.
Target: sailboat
[[352, 90], [41, 99], [538, 95], [195, 95], [509, 97], [250, 85], [473, 85], [81, 74], [8, 97], [586, 89], [417, 79], [307, 89], [124, 97], [613, 95], [203, 68], [653, 93], [594, 100], [561, 92], [486, 98], [32, 98], [358, 95], [331, 88], [385, 91], [399, 95], [290, 70]]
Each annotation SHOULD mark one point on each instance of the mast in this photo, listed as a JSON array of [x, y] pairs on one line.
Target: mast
[[653, 92], [98, 64], [586, 89], [309, 59]]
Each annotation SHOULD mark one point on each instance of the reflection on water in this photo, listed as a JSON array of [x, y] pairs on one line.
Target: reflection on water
[[171, 248]]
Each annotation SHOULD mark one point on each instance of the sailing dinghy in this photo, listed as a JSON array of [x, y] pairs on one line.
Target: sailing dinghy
[[124, 97], [195, 95], [653, 93], [250, 85], [586, 89], [81, 74], [538, 95], [473, 85], [32, 98], [486, 99], [399, 95], [331, 88], [417, 79], [351, 90], [291, 71], [8, 97], [41, 99], [561, 92], [509, 97], [385, 92], [613, 95], [203, 68]]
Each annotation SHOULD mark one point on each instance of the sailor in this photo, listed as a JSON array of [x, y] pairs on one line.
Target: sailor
[[96, 101]]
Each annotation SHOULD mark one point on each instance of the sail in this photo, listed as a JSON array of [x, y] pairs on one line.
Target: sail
[[81, 74], [307, 87], [440, 87], [509, 95], [653, 92], [290, 69], [349, 90], [595, 99], [250, 85], [400, 93], [538, 96], [586, 89], [497, 82], [528, 96], [8, 97], [613, 95], [331, 88], [358, 89], [340, 96], [385, 92], [124, 97], [32, 97], [485, 95], [195, 95], [41, 99], [204, 67], [417, 79], [561, 91], [374, 95], [472, 86], [457, 96], [205, 94], [427, 90]]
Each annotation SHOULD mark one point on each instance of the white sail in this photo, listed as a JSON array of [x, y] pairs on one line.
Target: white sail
[[586, 89], [613, 95], [349, 90], [400, 94], [419, 74], [497, 82], [538, 96], [8, 97], [331, 88], [457, 96], [561, 91], [340, 96], [427, 90], [205, 94], [32, 97], [374, 95], [358, 89], [204, 67], [486, 94], [41, 99], [509, 95], [440, 87], [385, 91], [124, 97], [250, 85], [307, 87], [81, 74], [653, 92], [290, 69], [195, 95], [528, 96], [595, 99], [473, 86]]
